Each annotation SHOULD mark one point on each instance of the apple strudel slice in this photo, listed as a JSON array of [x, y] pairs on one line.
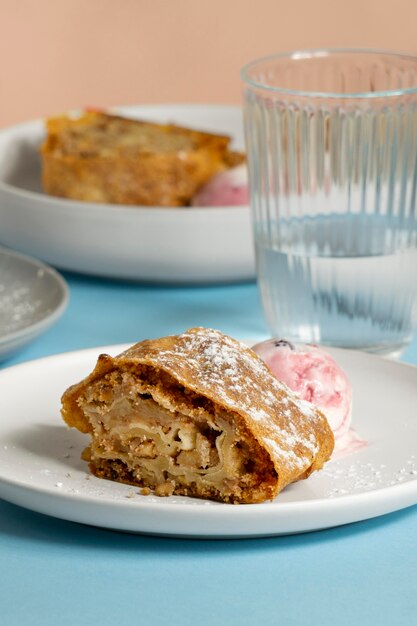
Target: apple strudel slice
[[197, 414]]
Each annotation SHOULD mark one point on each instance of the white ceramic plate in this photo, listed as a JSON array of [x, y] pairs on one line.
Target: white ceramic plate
[[174, 245], [40, 466], [32, 297]]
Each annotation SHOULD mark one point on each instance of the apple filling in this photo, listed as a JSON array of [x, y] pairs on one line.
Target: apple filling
[[169, 439]]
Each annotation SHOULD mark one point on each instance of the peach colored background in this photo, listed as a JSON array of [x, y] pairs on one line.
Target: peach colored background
[[61, 54]]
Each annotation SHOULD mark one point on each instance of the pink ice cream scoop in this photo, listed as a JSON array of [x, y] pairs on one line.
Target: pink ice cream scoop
[[315, 376], [229, 188]]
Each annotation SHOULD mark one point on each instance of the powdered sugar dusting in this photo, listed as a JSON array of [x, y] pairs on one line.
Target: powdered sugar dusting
[[287, 456], [220, 363], [17, 307], [358, 476]]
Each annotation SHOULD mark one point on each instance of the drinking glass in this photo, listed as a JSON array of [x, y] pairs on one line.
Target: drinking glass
[[331, 140]]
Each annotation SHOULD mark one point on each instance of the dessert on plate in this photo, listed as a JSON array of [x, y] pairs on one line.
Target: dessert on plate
[[312, 373], [197, 414], [98, 157]]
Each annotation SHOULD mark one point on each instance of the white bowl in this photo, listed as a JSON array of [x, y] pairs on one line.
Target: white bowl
[[174, 245]]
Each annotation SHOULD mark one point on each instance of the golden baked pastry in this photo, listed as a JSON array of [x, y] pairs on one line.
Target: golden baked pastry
[[98, 157], [197, 414]]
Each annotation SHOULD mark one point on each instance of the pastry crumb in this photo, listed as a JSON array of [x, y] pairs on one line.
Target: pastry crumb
[[165, 489]]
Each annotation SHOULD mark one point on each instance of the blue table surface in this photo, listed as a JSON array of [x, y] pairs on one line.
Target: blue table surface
[[56, 572]]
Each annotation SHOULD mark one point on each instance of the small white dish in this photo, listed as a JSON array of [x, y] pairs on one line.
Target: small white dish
[[41, 469], [172, 245], [32, 297]]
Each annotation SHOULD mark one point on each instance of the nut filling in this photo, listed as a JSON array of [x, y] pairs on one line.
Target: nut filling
[[139, 437]]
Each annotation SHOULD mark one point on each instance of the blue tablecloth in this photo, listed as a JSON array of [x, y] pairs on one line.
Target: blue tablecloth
[[54, 572]]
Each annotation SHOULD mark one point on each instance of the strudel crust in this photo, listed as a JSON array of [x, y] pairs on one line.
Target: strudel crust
[[196, 414]]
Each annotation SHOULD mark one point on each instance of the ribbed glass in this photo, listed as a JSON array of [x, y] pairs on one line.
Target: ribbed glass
[[332, 153]]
